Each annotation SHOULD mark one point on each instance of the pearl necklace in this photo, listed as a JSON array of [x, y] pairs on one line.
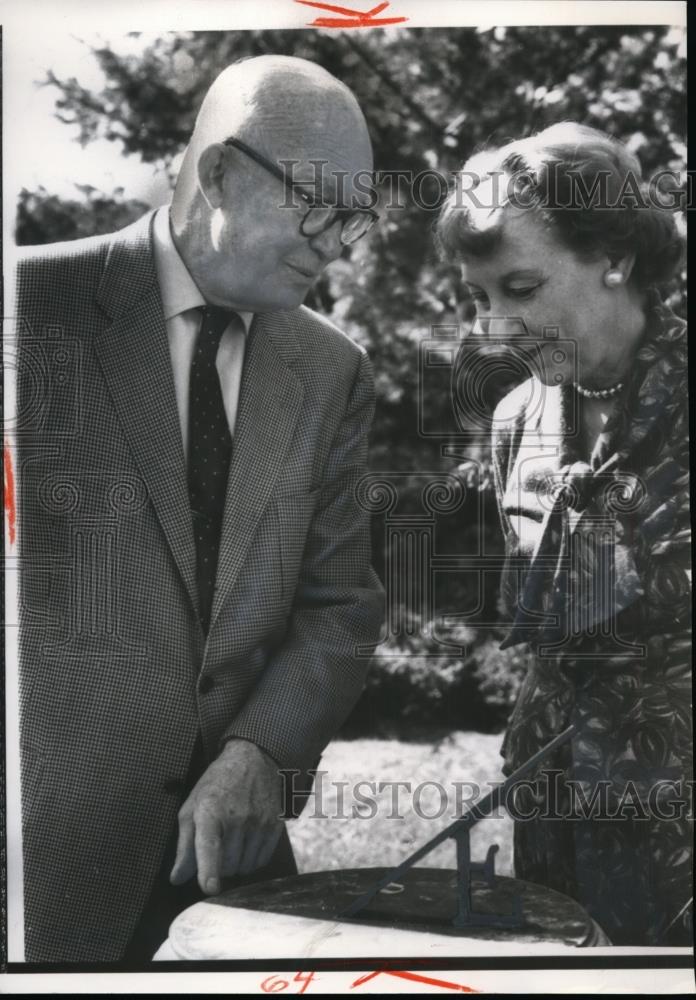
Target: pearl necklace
[[613, 390]]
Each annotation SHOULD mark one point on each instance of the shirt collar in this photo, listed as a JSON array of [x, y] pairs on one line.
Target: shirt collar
[[178, 289]]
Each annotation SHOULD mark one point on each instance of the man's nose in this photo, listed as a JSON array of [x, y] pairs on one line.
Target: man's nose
[[328, 243]]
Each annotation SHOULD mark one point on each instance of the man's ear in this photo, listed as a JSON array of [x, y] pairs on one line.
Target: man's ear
[[211, 173]]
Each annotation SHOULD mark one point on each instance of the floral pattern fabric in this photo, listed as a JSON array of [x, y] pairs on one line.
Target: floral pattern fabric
[[597, 580]]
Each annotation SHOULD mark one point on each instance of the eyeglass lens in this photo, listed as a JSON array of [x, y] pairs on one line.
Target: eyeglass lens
[[353, 227]]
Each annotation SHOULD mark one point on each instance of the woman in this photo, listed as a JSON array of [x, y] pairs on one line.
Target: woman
[[563, 254]]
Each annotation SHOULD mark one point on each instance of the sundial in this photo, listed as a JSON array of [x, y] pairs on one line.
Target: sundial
[[459, 831], [403, 910]]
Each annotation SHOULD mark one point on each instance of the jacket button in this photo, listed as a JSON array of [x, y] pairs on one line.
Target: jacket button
[[173, 786], [206, 684]]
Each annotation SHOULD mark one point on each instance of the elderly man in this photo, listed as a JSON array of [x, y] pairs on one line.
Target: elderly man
[[196, 594]]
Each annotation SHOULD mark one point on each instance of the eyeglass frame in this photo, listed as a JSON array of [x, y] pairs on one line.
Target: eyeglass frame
[[292, 186]]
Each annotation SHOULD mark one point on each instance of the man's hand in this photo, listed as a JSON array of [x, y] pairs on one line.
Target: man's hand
[[229, 824]]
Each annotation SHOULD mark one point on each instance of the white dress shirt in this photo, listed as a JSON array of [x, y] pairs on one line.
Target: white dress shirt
[[182, 301]]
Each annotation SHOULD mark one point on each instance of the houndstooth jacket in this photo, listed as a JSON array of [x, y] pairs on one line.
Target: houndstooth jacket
[[116, 675]]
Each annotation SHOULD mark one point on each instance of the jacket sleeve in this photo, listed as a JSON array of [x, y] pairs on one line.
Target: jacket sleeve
[[315, 677]]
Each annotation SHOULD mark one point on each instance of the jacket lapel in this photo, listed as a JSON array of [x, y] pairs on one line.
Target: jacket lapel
[[133, 352], [269, 405], [558, 422]]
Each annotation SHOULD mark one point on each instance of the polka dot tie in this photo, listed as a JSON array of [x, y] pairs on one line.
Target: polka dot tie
[[210, 447]]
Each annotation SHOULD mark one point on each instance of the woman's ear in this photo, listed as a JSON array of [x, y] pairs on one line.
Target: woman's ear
[[625, 265], [211, 173], [619, 271]]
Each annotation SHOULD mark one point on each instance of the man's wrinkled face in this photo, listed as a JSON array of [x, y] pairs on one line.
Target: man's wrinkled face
[[261, 259]]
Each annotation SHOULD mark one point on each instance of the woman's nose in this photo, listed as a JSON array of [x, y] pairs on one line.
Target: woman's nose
[[481, 324], [502, 327]]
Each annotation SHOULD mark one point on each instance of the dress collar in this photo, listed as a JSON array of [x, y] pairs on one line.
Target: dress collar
[[552, 589]]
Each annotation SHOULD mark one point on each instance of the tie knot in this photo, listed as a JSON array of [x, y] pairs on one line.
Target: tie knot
[[214, 320]]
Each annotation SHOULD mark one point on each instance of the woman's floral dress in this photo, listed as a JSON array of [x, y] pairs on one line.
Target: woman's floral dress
[[597, 580]]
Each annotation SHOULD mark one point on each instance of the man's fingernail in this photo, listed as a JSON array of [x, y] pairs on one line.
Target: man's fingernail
[[212, 885]]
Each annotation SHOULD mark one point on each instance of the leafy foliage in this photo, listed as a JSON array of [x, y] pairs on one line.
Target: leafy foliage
[[44, 217], [416, 684], [431, 98]]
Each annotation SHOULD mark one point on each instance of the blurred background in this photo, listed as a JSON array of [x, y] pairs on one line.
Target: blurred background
[[106, 121]]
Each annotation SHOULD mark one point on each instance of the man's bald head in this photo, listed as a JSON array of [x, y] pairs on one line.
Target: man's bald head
[[242, 242], [286, 108]]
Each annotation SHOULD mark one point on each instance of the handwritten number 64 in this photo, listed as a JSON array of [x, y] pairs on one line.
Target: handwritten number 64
[[274, 984]]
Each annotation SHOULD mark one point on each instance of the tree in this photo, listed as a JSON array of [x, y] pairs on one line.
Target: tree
[[431, 96]]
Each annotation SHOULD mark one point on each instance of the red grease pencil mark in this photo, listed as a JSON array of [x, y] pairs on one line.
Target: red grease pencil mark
[[415, 978], [274, 984], [9, 494], [350, 18]]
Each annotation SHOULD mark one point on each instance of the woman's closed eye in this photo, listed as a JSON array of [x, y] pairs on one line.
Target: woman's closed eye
[[523, 293], [520, 292]]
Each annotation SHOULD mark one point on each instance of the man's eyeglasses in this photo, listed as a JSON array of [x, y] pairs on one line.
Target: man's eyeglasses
[[355, 222]]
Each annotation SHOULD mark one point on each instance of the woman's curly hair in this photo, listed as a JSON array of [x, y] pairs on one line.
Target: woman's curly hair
[[584, 183]]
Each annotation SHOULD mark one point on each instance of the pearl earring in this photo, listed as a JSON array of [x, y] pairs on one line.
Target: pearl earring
[[613, 277]]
